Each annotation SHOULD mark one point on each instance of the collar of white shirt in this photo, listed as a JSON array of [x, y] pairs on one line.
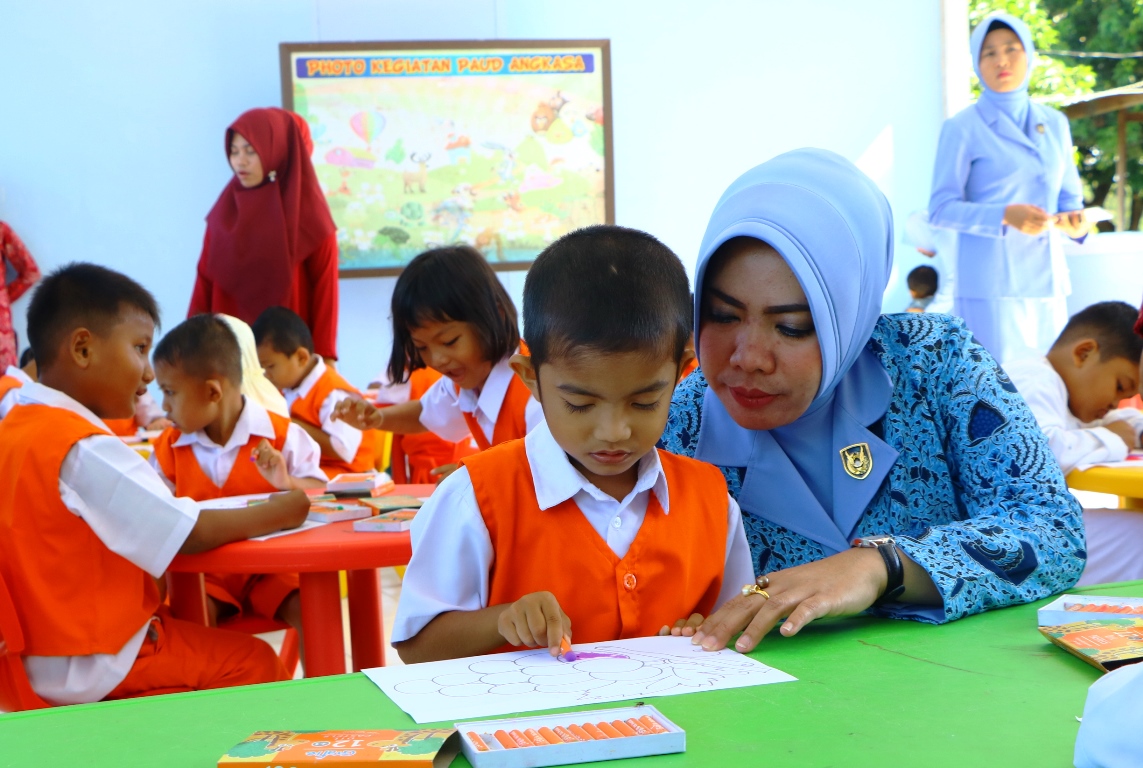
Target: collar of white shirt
[[38, 394], [556, 480], [254, 420], [491, 396], [19, 375], [307, 383]]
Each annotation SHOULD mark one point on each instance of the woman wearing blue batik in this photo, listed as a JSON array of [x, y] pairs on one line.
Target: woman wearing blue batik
[[837, 426], [1005, 181]]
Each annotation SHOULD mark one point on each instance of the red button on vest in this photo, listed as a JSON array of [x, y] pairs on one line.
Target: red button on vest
[[629, 581]]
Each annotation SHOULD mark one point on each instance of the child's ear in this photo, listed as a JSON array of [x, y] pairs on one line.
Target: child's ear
[[522, 365], [213, 390], [303, 356], [79, 347], [1085, 350], [688, 357]]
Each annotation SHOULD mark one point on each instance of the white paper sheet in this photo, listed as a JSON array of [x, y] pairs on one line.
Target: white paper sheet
[[241, 502], [526, 681]]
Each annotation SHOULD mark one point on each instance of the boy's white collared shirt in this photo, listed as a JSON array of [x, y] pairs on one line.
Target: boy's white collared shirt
[[344, 438], [301, 452], [109, 485], [1073, 442], [443, 408], [9, 399], [452, 551]]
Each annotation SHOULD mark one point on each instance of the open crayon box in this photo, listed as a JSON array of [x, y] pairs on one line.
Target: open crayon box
[[571, 737], [1067, 609]]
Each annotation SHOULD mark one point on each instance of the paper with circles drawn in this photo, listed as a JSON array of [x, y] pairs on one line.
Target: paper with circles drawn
[[530, 680]]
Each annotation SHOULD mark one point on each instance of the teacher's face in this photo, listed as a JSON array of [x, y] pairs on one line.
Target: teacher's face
[[1003, 61], [757, 343], [245, 162]]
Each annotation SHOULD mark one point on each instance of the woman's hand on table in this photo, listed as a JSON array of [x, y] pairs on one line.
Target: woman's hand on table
[[683, 627], [1029, 219], [1072, 223], [358, 413], [839, 585]]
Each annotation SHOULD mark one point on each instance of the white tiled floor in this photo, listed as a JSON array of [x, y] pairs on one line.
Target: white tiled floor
[[390, 594]]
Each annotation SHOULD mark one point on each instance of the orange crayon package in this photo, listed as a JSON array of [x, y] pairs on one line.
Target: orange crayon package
[[417, 748]]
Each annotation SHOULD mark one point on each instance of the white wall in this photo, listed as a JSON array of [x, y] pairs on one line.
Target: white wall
[[112, 114]]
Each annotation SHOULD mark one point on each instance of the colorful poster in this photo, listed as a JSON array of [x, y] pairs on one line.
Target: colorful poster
[[504, 146]]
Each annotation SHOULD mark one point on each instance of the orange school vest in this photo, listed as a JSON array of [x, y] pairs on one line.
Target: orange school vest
[[424, 450], [8, 383], [122, 427], [182, 468], [73, 595], [510, 422], [308, 409], [673, 568]]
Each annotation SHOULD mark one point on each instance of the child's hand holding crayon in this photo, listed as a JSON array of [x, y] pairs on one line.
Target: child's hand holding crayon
[[683, 627], [358, 413], [272, 466], [535, 620]]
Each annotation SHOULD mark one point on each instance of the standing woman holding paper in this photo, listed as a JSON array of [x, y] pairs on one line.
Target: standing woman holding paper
[[270, 239], [1005, 180]]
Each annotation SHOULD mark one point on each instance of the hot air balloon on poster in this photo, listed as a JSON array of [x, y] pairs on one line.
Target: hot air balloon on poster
[[367, 125]]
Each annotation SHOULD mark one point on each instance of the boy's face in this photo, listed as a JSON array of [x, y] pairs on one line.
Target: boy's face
[[117, 365], [453, 349], [606, 411], [1095, 384], [190, 402], [284, 371]]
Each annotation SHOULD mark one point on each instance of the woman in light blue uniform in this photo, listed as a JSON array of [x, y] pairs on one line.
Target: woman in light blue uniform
[[832, 422], [1005, 181]]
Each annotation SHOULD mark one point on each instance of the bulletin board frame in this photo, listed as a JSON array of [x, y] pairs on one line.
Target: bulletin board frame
[[529, 157]]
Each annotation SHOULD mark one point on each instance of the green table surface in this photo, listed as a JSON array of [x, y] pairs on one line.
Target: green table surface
[[983, 691]]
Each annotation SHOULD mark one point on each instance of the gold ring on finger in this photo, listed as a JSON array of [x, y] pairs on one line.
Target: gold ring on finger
[[754, 589], [763, 581]]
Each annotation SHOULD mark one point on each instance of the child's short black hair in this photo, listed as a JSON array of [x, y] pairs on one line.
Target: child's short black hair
[[607, 289], [1111, 324], [453, 284], [26, 357], [283, 330], [202, 346], [81, 295], [923, 280]]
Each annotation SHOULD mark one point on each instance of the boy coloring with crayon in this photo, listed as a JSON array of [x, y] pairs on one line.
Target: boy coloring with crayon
[[313, 390], [583, 528], [223, 444], [86, 527]]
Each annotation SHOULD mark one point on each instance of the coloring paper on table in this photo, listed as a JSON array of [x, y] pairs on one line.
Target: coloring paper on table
[[530, 680]]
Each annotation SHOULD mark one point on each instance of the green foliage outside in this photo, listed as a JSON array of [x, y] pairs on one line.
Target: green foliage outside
[[1112, 26]]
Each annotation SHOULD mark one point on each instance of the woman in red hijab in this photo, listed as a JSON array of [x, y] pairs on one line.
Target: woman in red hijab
[[270, 239]]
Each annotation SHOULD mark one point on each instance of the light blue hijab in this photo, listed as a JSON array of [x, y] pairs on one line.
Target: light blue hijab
[[1014, 104], [834, 228]]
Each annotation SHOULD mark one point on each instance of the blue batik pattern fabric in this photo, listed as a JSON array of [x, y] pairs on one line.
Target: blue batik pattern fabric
[[975, 496]]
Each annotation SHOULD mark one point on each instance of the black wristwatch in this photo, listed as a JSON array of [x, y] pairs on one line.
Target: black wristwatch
[[887, 548]]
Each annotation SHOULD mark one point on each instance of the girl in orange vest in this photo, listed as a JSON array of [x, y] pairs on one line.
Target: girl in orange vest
[[583, 525], [451, 313]]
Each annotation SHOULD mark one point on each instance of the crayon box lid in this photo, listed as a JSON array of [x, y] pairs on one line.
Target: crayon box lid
[[674, 740], [417, 748], [1066, 609], [1107, 643]]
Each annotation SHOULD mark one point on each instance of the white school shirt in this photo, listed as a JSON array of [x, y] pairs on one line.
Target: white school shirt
[[300, 451], [9, 399], [1073, 442], [344, 438], [109, 485], [443, 407], [452, 551]]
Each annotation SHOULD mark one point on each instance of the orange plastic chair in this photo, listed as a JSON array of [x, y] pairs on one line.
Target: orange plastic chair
[[16, 692], [254, 625]]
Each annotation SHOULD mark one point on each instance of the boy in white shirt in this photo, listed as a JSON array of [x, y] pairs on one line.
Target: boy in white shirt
[[1074, 392]]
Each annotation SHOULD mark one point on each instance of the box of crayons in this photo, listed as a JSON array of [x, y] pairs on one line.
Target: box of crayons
[[418, 748], [1066, 609], [571, 737]]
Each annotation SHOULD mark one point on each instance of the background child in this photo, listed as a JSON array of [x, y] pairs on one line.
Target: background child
[[450, 313], [223, 444], [86, 526], [922, 283], [10, 382], [589, 526], [312, 390]]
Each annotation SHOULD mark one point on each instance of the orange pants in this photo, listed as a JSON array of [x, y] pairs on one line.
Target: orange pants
[[251, 594], [182, 656]]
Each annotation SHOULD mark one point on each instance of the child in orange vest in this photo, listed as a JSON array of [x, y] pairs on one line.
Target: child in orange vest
[[86, 527], [10, 383], [313, 390], [451, 313], [583, 525], [223, 444]]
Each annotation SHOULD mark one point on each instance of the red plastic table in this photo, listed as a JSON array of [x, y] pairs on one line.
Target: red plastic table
[[316, 555]]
